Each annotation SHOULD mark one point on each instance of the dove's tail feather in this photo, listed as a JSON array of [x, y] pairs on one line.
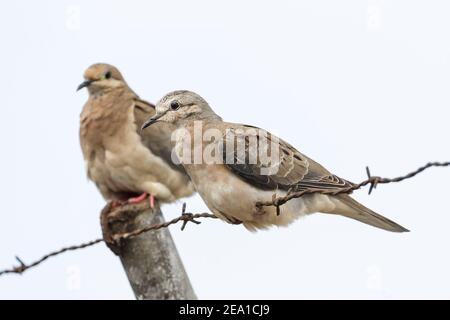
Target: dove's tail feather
[[350, 208]]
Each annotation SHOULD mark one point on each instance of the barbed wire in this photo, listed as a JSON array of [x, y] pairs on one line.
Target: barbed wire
[[373, 181], [185, 218]]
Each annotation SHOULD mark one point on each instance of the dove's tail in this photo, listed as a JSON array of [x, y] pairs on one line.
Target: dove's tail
[[350, 208]]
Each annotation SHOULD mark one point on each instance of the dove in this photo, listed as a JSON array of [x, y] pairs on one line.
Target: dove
[[125, 165], [232, 169]]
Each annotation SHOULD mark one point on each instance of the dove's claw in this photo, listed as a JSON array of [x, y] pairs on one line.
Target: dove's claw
[[115, 203], [152, 201]]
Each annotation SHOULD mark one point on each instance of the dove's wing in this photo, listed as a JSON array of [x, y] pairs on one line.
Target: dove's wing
[[320, 178], [279, 165]]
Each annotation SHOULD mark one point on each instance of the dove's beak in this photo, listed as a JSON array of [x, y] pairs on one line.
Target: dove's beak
[[152, 120], [84, 84]]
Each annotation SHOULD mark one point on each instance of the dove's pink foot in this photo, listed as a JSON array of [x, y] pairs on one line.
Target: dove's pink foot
[[138, 199], [142, 197]]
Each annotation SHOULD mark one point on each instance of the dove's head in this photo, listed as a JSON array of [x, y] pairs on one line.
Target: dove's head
[[101, 76], [181, 107]]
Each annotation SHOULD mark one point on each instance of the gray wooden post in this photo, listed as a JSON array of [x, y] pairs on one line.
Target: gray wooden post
[[151, 260]]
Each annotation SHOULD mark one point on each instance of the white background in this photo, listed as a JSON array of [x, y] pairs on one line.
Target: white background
[[349, 83]]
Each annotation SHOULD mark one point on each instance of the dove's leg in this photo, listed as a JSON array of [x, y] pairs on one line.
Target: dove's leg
[[138, 199], [142, 197]]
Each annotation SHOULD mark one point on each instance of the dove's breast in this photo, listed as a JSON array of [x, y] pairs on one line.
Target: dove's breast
[[121, 165]]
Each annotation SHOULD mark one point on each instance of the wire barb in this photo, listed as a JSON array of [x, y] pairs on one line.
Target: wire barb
[[22, 266], [185, 217], [373, 181]]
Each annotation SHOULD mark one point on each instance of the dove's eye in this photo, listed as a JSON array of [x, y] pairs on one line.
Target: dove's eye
[[108, 75], [174, 105]]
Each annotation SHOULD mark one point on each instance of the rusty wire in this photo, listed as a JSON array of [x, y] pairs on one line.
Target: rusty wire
[[185, 217], [373, 181]]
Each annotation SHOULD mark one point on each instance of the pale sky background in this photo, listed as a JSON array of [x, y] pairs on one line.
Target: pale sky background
[[349, 83]]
